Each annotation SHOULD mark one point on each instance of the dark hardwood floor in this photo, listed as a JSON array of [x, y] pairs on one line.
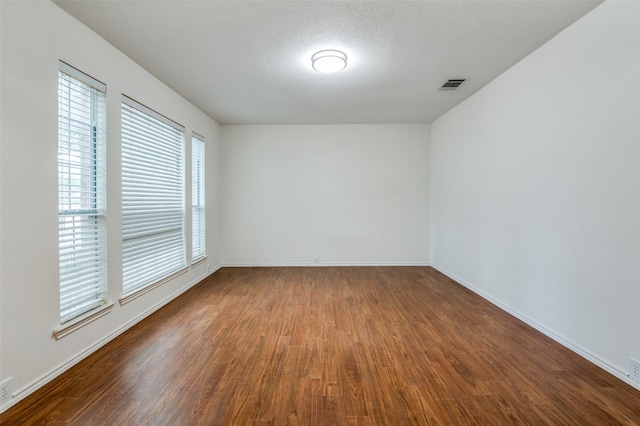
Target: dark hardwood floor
[[331, 346]]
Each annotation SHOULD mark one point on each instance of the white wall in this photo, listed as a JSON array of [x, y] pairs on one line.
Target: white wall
[[35, 35], [347, 194], [536, 187]]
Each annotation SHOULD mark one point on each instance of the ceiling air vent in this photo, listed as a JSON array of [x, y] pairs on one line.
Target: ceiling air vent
[[452, 84]]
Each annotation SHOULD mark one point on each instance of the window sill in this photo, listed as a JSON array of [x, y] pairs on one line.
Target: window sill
[[199, 261], [77, 323], [131, 296]]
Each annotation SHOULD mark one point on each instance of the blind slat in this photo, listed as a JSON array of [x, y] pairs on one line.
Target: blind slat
[[134, 107], [153, 244], [81, 187], [198, 230]]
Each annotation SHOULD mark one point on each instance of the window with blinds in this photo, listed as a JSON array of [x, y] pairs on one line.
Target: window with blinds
[[153, 240], [81, 192], [198, 231]]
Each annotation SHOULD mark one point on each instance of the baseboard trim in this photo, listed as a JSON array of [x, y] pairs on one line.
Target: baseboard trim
[[312, 264], [22, 393], [567, 343]]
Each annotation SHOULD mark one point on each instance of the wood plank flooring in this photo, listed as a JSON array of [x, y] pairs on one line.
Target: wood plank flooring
[[331, 346]]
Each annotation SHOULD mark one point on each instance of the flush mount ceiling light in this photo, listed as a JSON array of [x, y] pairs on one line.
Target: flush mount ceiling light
[[329, 61]]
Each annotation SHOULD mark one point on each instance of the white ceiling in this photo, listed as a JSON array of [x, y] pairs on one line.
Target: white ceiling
[[249, 62]]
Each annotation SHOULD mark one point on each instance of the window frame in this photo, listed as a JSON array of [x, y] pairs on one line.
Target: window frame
[[81, 160], [149, 137], [198, 199]]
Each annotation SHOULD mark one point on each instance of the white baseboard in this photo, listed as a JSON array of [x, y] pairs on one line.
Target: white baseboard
[[586, 354], [52, 374]]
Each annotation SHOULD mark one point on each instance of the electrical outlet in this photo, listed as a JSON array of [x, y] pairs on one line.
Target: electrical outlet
[[315, 260], [634, 370], [5, 391]]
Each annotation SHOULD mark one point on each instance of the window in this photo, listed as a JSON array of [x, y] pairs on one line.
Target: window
[[153, 240], [81, 192], [198, 231]]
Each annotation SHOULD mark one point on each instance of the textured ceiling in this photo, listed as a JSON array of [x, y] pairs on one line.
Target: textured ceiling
[[248, 62]]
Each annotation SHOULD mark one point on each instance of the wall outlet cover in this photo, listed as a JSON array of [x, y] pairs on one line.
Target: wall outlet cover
[[634, 370], [5, 391]]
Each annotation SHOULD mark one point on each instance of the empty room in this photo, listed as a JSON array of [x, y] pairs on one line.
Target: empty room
[[320, 212]]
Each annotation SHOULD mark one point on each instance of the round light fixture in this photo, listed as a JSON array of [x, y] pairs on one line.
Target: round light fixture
[[329, 61]]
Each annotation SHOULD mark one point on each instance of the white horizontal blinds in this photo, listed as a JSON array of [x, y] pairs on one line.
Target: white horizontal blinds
[[81, 192], [153, 240], [198, 232]]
